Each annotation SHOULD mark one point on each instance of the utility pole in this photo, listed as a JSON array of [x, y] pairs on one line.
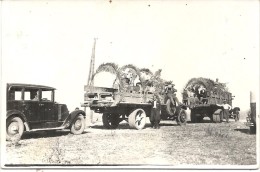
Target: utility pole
[[91, 74], [92, 65]]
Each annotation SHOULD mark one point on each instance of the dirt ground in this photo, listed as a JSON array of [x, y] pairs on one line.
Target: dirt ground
[[172, 145]]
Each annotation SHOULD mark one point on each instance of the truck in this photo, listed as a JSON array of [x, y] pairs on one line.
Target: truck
[[130, 101], [33, 107], [204, 98]]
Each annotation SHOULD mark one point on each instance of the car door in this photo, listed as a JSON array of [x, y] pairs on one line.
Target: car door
[[47, 105], [30, 105]]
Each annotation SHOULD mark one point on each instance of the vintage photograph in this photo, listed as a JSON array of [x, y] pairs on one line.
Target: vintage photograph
[[145, 84]]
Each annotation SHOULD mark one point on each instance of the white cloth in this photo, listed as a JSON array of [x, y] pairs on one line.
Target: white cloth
[[227, 106], [154, 104]]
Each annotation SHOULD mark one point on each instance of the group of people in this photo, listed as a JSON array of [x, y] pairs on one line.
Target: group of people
[[194, 97]]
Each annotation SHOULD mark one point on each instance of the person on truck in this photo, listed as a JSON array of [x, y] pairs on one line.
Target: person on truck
[[192, 101], [185, 97], [196, 99], [155, 116]]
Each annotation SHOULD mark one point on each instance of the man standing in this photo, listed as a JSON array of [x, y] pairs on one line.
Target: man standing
[[155, 112], [226, 109]]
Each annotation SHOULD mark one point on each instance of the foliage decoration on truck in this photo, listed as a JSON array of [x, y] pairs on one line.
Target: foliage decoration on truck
[[131, 77]]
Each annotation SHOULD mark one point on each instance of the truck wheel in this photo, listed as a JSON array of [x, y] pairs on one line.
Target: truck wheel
[[216, 118], [110, 121], [78, 125], [196, 119], [182, 118], [14, 128], [193, 116], [170, 108], [253, 129], [137, 119], [199, 119]]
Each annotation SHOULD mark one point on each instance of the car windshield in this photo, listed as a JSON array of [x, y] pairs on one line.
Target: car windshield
[[47, 95]]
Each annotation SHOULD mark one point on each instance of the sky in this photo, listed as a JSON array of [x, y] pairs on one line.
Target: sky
[[50, 43]]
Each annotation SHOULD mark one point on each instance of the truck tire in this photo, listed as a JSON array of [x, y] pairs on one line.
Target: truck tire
[[14, 128], [170, 109], [196, 119], [199, 119], [217, 116], [110, 121], [182, 117], [193, 116], [78, 125], [137, 119]]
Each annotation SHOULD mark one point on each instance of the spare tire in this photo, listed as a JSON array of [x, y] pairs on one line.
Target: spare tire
[[170, 108], [182, 117]]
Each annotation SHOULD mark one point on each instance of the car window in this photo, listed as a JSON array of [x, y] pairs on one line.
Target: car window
[[31, 94], [17, 95], [27, 95]]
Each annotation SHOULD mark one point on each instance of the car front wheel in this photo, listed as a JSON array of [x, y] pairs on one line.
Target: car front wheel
[[78, 125]]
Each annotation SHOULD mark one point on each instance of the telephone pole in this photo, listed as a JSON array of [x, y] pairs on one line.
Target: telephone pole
[[92, 65]]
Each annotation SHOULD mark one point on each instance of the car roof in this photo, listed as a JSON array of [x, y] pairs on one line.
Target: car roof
[[30, 86]]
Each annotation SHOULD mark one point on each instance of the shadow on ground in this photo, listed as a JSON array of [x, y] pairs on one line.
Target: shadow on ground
[[126, 125], [243, 130], [46, 134], [203, 121]]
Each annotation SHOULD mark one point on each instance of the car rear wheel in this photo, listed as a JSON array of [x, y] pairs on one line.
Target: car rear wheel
[[170, 108], [14, 128], [78, 125]]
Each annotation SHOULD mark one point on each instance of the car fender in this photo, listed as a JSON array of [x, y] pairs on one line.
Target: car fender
[[68, 121], [19, 114]]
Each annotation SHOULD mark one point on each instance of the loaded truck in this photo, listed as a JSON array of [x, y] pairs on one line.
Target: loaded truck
[[131, 102], [205, 97]]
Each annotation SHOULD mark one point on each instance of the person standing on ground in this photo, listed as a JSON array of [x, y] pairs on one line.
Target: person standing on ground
[[155, 116], [226, 109]]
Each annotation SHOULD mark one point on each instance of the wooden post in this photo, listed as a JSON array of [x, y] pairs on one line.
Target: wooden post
[[253, 122], [253, 104]]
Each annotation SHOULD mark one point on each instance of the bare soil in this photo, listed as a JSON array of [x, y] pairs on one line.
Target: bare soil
[[194, 144]]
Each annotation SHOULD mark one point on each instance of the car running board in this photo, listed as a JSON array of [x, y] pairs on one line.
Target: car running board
[[44, 129]]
